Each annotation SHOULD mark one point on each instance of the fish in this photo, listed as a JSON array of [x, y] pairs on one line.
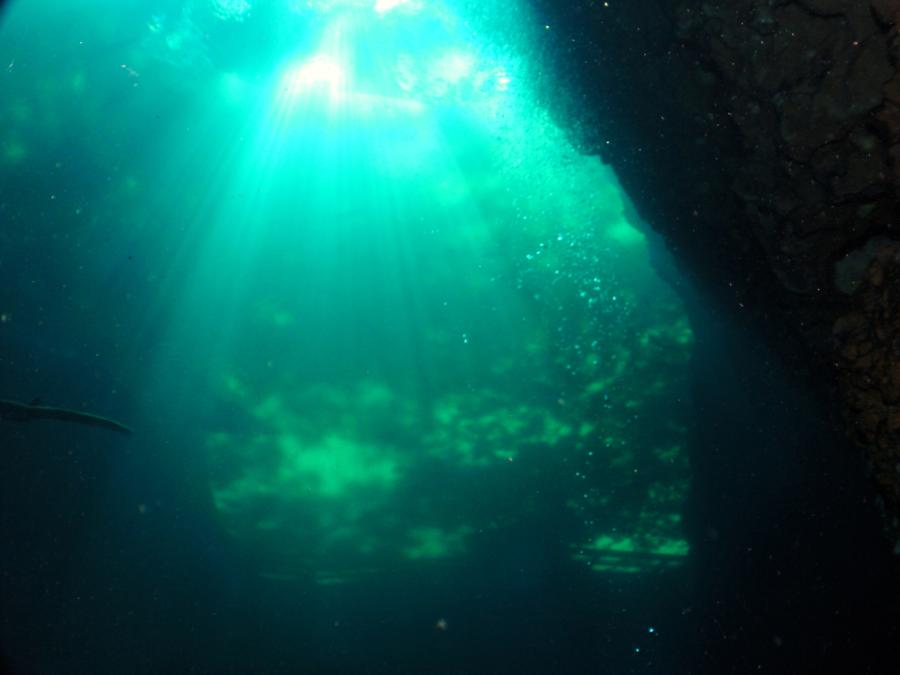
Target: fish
[[15, 411]]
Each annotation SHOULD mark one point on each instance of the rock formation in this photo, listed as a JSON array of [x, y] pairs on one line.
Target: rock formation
[[761, 138], [869, 371]]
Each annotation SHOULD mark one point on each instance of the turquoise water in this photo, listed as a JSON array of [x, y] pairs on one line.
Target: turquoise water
[[396, 361]]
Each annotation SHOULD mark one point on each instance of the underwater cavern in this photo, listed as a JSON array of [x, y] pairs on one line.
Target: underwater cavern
[[449, 336]]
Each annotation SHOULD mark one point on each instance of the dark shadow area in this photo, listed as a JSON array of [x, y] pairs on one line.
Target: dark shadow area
[[793, 572]]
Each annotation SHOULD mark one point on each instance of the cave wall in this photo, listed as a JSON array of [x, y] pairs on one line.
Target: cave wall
[[761, 139]]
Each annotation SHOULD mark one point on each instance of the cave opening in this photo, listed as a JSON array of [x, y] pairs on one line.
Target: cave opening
[[388, 341], [414, 387]]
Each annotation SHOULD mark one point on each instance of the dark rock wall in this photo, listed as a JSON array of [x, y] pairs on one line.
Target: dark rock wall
[[869, 372], [810, 90], [761, 139], [758, 136]]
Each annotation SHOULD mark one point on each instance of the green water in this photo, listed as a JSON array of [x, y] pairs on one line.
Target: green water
[[342, 272]]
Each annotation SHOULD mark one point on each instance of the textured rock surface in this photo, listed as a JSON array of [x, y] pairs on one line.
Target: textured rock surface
[[811, 89], [869, 368], [761, 138], [768, 155]]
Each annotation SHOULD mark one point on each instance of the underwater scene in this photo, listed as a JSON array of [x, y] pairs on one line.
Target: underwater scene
[[325, 347]]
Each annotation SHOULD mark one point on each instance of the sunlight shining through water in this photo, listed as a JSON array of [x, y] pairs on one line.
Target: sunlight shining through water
[[392, 315], [394, 279]]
